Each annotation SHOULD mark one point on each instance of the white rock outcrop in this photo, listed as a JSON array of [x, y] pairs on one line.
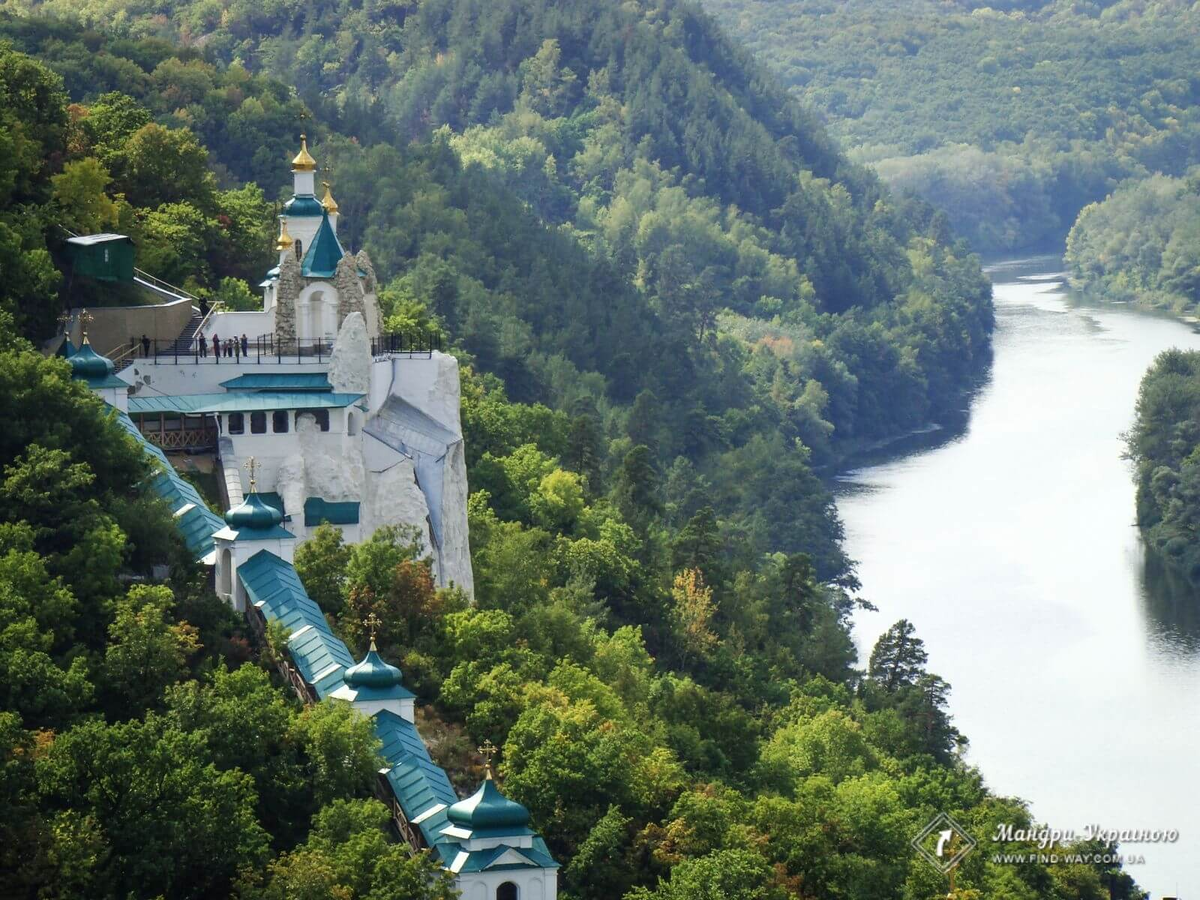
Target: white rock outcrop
[[350, 364]]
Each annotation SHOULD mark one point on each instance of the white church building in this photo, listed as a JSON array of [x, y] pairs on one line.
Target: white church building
[[349, 426]]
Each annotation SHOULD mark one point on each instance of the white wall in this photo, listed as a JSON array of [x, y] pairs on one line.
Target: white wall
[[204, 377]]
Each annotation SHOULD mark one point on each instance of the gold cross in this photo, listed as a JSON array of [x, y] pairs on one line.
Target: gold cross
[[65, 321], [488, 749], [84, 318], [251, 466], [372, 622]]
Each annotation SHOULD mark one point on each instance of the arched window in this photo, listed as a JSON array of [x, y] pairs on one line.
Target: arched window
[[225, 584], [299, 255], [351, 423], [506, 891]]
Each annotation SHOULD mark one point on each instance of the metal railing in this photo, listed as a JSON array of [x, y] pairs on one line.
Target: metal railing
[[165, 286], [262, 350], [406, 343], [266, 349]]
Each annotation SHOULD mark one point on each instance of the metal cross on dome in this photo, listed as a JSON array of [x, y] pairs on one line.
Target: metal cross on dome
[[372, 623], [488, 749], [251, 466], [85, 318], [64, 320]]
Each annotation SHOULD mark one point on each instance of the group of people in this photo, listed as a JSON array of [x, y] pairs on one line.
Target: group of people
[[235, 347]]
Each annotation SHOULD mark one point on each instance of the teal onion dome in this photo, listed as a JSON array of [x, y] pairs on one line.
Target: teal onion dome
[[88, 364], [372, 672], [487, 808], [252, 513]]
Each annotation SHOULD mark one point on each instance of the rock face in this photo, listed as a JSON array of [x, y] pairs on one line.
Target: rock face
[[350, 364], [456, 545], [418, 420], [287, 292], [331, 477], [349, 288], [394, 498]]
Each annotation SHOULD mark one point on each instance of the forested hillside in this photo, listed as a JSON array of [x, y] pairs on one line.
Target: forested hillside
[[1008, 116], [696, 301], [1141, 244], [1162, 445], [685, 274]]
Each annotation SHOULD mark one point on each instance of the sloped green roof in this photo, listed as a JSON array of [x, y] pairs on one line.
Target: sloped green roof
[[479, 860], [317, 511], [324, 253], [419, 784], [195, 521], [274, 587], [282, 381], [242, 401]]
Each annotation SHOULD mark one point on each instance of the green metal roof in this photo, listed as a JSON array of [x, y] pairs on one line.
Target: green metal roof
[[304, 205], [274, 587], [324, 253], [195, 521], [488, 808], [419, 785], [242, 401], [480, 860], [282, 381], [318, 511]]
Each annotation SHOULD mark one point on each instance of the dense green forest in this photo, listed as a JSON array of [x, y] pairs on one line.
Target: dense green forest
[[697, 301], [1142, 244], [1163, 446], [1010, 116]]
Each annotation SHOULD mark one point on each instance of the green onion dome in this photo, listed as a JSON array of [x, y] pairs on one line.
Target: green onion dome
[[487, 808], [252, 513], [372, 672], [88, 364]]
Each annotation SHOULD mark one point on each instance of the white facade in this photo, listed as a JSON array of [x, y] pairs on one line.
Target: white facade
[[232, 548]]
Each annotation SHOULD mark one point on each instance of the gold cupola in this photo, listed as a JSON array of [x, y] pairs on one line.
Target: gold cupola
[[327, 201], [284, 242], [303, 161]]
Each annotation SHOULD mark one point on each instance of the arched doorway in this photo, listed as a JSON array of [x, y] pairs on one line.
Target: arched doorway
[[507, 891]]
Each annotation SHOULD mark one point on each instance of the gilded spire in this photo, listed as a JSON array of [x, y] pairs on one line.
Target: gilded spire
[[284, 241], [327, 201], [303, 161]]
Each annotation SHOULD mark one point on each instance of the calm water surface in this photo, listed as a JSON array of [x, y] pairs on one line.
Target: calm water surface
[[1010, 544]]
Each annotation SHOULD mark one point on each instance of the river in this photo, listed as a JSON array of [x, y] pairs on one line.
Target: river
[[1009, 542]]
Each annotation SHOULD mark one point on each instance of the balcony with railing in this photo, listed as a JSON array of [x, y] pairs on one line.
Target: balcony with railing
[[267, 350]]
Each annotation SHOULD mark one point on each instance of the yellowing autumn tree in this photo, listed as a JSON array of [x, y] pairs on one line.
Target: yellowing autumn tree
[[693, 613]]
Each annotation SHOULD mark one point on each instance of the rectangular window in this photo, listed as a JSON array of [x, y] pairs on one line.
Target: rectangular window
[[237, 423], [258, 423], [279, 421]]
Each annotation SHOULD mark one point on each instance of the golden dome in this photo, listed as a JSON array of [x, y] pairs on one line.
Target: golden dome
[[304, 161], [285, 240], [327, 201]]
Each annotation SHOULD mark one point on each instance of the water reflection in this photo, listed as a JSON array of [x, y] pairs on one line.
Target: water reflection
[[1172, 606]]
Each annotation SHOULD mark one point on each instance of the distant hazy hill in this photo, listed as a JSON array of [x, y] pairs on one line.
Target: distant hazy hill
[[1010, 117]]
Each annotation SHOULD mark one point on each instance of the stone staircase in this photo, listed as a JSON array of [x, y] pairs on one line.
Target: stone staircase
[[183, 343]]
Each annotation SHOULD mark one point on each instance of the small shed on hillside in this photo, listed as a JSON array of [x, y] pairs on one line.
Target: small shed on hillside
[[106, 257]]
